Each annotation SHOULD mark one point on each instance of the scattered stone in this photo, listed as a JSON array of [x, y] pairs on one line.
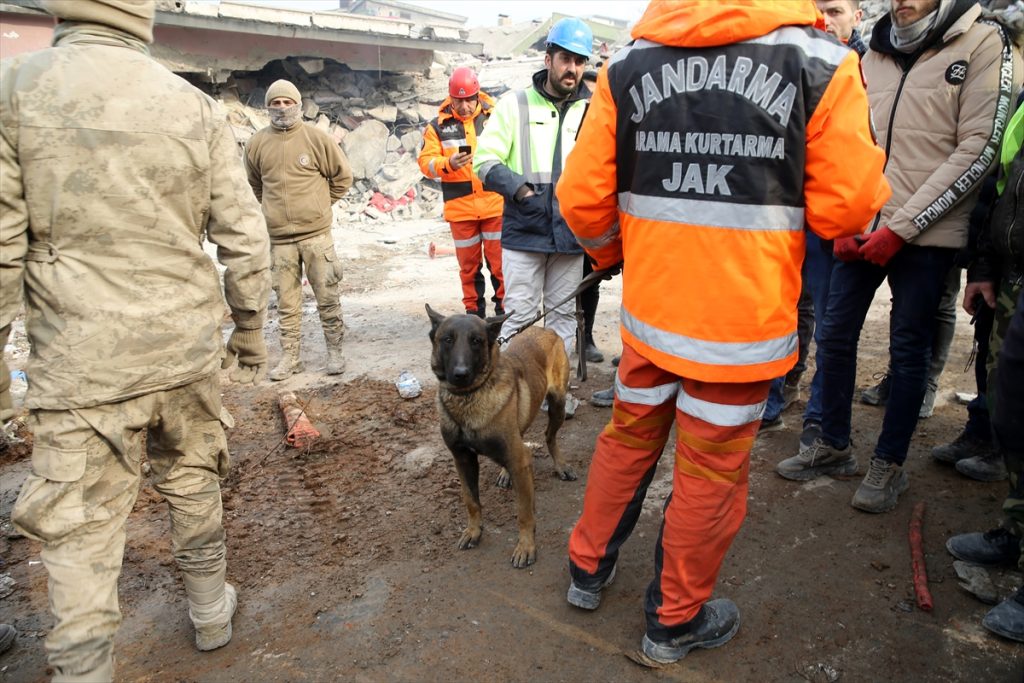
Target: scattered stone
[[976, 581], [311, 66]]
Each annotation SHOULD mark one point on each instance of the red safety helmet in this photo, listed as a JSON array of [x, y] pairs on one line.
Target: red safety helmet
[[463, 83]]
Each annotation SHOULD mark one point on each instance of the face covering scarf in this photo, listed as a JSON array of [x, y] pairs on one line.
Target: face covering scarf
[[286, 117]]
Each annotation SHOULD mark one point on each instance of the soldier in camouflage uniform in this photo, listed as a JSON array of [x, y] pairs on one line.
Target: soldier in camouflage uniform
[[1005, 544], [297, 171], [106, 197]]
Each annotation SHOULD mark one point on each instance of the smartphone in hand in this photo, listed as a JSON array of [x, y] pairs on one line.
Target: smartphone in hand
[[465, 149]]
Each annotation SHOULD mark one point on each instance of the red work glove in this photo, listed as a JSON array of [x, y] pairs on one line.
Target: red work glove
[[846, 249], [880, 246]]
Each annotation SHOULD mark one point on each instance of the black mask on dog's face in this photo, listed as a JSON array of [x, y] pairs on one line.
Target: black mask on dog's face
[[463, 345]]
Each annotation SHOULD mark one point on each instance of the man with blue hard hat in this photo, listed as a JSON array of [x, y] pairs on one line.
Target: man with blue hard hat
[[520, 156]]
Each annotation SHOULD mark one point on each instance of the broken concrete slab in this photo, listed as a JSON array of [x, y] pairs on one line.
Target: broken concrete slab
[[387, 113], [366, 147], [310, 108], [395, 179], [311, 65], [412, 140]]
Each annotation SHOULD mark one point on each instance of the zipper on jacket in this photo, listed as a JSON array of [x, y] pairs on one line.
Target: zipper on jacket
[[888, 134]]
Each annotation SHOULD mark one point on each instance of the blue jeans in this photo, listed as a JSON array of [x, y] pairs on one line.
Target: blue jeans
[[816, 272], [917, 278]]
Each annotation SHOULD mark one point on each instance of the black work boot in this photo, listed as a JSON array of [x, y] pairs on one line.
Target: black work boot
[[996, 547], [963, 446], [715, 625], [1007, 618]]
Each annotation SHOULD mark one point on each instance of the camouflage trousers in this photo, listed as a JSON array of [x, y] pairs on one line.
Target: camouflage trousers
[[1008, 409], [317, 257], [86, 469]]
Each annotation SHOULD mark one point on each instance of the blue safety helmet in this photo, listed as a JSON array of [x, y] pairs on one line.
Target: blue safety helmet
[[573, 35]]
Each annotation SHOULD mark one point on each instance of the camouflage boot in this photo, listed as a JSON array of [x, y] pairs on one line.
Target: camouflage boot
[[335, 361], [289, 363], [211, 605]]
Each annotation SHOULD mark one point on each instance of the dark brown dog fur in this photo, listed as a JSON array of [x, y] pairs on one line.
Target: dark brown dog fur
[[487, 399]]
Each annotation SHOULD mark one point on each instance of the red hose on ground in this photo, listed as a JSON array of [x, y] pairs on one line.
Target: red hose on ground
[[924, 597], [301, 432]]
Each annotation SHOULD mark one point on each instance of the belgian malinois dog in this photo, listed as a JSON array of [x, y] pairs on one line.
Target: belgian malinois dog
[[487, 398]]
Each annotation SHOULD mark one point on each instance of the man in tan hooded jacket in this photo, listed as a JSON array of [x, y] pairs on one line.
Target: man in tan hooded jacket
[[106, 197], [298, 172]]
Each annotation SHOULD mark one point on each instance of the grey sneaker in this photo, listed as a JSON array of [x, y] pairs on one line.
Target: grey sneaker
[[963, 446], [928, 403], [588, 599], [994, 548], [811, 432], [982, 468], [1007, 618], [715, 625], [604, 398], [881, 488], [817, 460], [878, 394]]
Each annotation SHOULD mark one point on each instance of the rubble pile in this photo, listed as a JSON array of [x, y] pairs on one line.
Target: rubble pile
[[378, 119]]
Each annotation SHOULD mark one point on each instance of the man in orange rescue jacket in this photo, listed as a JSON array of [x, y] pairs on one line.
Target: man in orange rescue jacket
[[474, 214], [713, 140]]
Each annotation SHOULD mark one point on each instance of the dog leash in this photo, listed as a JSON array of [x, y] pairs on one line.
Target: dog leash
[[584, 284]]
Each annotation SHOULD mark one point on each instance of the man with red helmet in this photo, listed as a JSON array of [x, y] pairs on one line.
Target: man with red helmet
[[473, 213]]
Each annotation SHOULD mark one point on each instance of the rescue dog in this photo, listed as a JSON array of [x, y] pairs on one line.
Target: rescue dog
[[486, 399]]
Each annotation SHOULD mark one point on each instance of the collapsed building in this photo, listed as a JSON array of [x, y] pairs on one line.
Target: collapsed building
[[371, 73]]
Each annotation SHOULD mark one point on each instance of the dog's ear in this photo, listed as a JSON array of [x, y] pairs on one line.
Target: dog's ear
[[494, 326], [435, 320]]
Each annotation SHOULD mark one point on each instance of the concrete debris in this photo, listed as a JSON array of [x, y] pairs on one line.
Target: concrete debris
[[411, 141], [311, 66], [386, 113], [976, 581], [366, 147]]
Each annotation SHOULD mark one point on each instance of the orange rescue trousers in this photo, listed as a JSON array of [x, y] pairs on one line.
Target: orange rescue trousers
[[715, 428], [469, 236]]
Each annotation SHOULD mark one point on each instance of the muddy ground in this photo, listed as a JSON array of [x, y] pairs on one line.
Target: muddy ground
[[344, 554]]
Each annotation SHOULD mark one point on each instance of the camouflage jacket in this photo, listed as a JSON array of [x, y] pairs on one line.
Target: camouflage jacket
[[108, 187]]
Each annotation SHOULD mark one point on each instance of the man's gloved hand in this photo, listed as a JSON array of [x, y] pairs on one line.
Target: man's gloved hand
[[880, 246], [846, 249], [250, 349]]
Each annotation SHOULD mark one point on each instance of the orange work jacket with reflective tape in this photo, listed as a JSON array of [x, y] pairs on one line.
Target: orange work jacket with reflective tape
[[464, 196], [713, 141]]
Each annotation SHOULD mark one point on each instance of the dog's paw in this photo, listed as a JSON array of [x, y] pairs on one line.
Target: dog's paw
[[470, 539], [524, 555], [567, 474], [504, 480]]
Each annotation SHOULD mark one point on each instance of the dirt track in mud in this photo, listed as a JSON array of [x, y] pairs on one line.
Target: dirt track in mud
[[344, 554]]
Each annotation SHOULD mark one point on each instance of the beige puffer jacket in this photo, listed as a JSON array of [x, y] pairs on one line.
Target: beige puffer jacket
[[106, 196], [941, 124]]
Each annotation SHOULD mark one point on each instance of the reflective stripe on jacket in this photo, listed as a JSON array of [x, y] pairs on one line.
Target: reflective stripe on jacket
[[526, 142], [464, 196], [701, 163]]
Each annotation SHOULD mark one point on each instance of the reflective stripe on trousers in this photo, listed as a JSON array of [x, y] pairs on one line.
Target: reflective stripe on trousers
[[715, 428], [468, 236]]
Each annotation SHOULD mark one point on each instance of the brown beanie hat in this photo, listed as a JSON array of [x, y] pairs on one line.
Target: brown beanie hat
[[131, 16], [282, 88]]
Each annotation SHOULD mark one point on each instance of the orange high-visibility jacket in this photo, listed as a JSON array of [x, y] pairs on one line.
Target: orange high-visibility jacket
[[464, 196], [713, 141]]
